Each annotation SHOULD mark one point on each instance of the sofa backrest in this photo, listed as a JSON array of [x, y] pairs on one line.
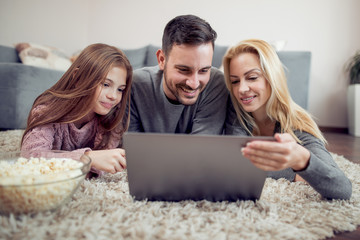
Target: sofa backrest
[[296, 63], [149, 59], [21, 84], [9, 54], [137, 56], [297, 68]]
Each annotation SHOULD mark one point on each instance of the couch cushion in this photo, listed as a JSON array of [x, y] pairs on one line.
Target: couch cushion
[[8, 54], [151, 59], [20, 85], [219, 52], [297, 69], [136, 56], [42, 56]]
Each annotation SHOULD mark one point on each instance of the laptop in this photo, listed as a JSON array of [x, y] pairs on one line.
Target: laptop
[[176, 167]]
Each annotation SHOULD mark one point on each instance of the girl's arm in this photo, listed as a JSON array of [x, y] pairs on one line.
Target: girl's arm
[[110, 160], [41, 139]]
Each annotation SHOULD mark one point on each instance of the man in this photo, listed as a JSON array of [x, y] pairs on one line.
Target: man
[[183, 94]]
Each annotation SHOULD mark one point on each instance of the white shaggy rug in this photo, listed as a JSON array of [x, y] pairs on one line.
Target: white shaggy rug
[[103, 209]]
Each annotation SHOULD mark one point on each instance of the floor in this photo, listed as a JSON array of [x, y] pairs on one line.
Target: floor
[[349, 147]]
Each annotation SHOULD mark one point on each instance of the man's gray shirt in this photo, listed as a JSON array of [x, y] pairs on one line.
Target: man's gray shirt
[[151, 110]]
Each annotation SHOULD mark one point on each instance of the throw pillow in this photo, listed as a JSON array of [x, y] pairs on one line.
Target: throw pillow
[[42, 56]]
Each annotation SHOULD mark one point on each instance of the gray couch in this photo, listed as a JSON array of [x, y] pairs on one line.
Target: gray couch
[[21, 84]]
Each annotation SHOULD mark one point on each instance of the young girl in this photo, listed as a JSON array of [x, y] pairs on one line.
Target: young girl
[[256, 80], [84, 112]]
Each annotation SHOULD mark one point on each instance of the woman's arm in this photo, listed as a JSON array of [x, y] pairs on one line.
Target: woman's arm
[[322, 173], [310, 160]]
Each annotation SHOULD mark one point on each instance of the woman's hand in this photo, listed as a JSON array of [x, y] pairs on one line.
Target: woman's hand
[[278, 155], [112, 160]]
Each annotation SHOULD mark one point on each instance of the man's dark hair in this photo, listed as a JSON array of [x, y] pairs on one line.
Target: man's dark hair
[[187, 29]]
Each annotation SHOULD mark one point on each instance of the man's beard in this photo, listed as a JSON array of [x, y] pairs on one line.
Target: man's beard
[[180, 87]]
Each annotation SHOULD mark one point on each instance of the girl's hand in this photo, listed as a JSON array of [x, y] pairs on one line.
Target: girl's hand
[[279, 155], [112, 160]]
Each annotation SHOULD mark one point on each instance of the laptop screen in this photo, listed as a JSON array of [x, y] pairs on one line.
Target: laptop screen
[[175, 167]]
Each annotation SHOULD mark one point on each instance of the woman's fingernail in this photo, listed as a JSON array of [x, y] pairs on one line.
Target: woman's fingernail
[[243, 151]]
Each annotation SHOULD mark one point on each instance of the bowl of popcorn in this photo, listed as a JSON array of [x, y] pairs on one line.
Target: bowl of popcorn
[[37, 181]]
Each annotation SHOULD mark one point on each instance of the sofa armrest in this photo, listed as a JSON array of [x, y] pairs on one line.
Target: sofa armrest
[[19, 86]]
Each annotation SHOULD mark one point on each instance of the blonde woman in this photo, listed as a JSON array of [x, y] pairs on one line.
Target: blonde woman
[[256, 80]]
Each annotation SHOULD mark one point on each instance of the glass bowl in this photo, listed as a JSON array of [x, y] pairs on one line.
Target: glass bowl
[[37, 181]]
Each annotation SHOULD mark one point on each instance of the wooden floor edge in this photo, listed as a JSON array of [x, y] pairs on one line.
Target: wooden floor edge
[[334, 129]]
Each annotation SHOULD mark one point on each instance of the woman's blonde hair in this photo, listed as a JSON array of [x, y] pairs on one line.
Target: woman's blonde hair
[[70, 99], [280, 106]]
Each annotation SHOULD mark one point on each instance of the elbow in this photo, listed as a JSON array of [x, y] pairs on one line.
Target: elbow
[[342, 192]]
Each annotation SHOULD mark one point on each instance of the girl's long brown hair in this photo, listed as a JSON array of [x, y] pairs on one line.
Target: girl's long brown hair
[[70, 99]]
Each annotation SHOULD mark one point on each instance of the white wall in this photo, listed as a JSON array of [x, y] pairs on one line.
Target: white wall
[[61, 24], [327, 28]]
